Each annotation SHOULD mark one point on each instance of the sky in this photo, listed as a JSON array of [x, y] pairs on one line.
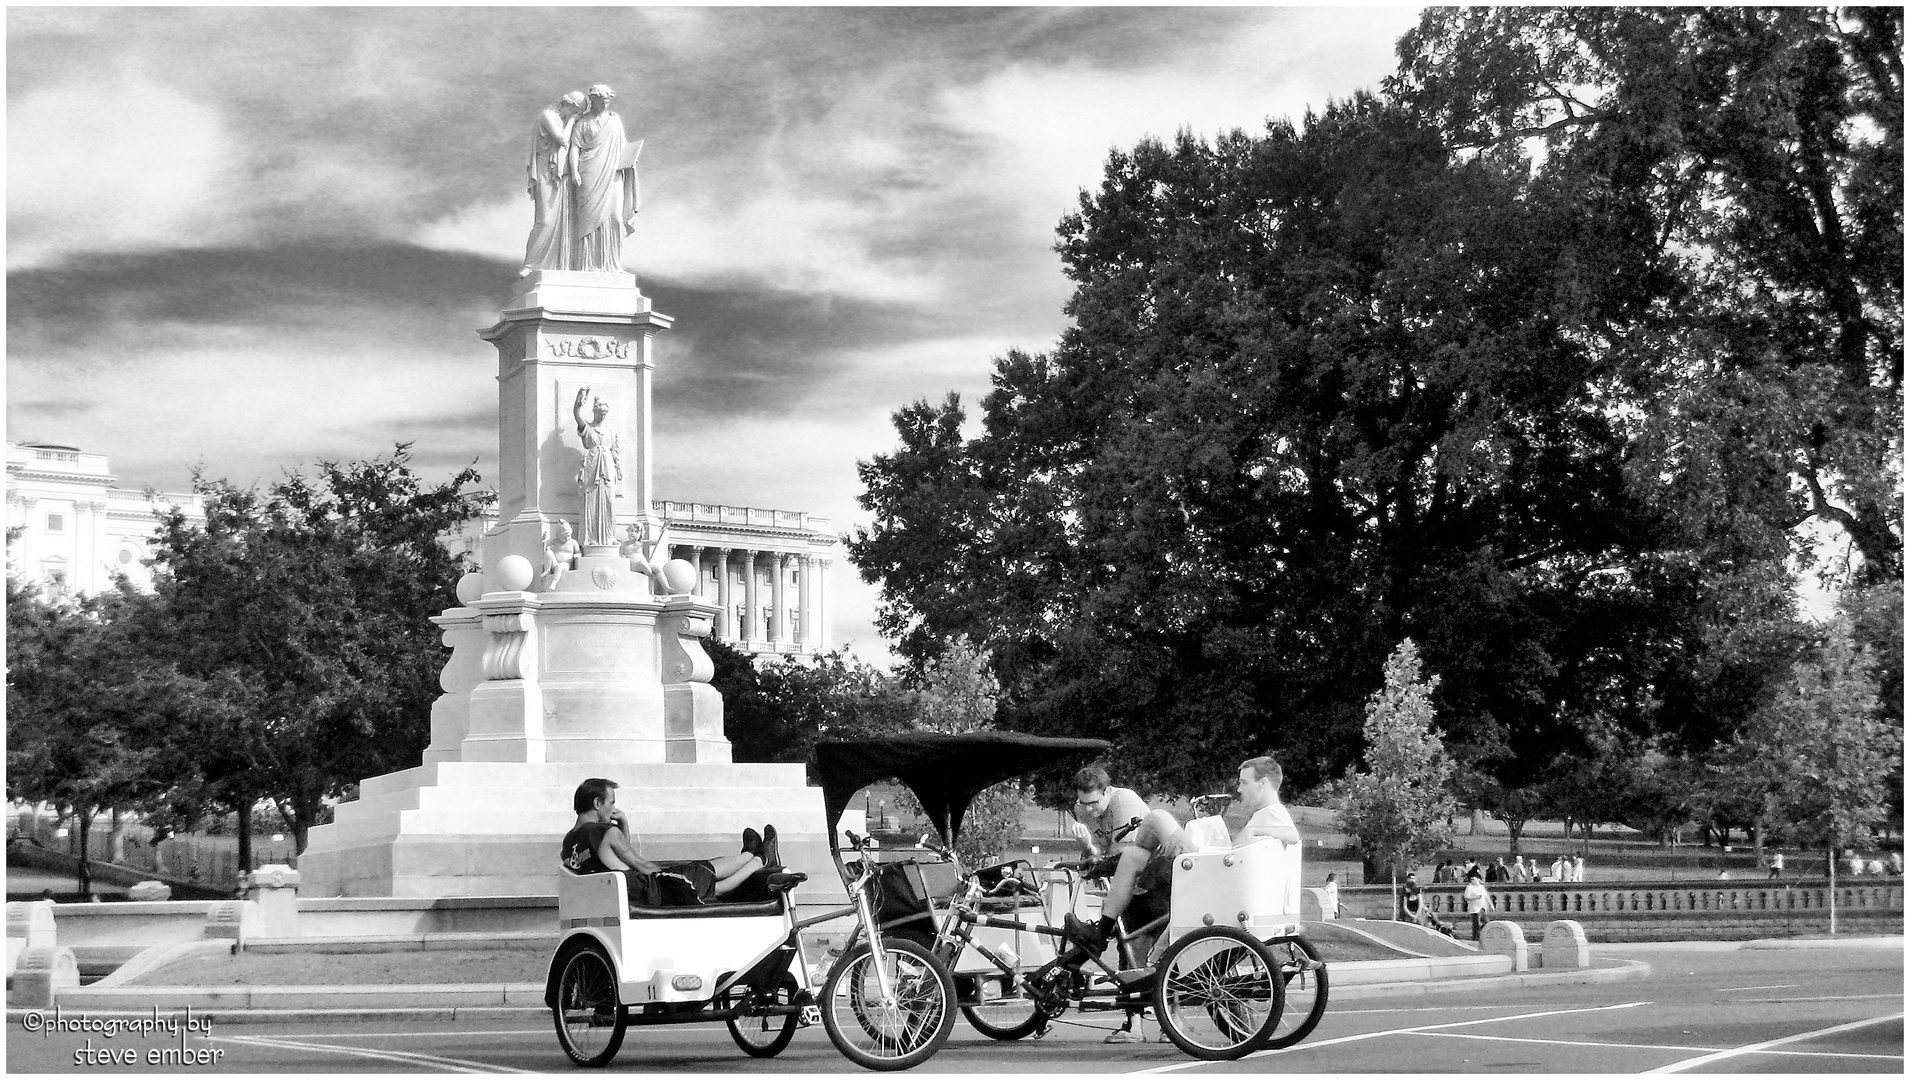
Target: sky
[[250, 239]]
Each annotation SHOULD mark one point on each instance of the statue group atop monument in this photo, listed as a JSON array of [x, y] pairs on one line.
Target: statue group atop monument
[[583, 185]]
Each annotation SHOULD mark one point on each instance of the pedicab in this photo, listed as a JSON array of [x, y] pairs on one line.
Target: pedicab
[[617, 966], [1231, 956]]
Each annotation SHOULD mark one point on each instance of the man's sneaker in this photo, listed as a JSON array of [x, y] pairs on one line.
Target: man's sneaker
[[1123, 1035], [752, 842], [1087, 934], [771, 852]]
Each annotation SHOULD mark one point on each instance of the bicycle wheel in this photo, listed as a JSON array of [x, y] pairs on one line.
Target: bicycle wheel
[[1217, 993], [590, 1021], [765, 1036], [1007, 1018], [897, 1034], [1303, 978]]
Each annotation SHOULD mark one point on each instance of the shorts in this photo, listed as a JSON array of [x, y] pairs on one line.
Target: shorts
[[687, 883]]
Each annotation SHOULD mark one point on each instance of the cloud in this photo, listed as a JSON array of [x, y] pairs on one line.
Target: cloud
[[147, 173]]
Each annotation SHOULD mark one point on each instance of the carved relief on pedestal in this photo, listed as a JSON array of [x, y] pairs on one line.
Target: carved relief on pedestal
[[589, 348], [684, 660], [504, 654]]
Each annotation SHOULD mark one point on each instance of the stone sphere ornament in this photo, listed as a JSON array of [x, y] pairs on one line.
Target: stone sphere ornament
[[679, 576], [513, 574], [470, 588]]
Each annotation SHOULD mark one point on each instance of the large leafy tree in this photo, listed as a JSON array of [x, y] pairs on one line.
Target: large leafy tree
[[309, 602], [1754, 159], [90, 714], [1325, 387]]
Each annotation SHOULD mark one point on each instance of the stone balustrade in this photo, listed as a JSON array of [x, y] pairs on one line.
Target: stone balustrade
[[1710, 897]]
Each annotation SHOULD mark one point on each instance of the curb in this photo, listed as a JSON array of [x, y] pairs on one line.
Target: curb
[[336, 1004], [1756, 944], [1623, 971]]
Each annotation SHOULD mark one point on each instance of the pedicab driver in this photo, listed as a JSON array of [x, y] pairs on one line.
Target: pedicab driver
[[1145, 869], [601, 842], [1101, 811]]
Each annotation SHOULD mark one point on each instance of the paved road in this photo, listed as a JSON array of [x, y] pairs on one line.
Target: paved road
[[1703, 1010]]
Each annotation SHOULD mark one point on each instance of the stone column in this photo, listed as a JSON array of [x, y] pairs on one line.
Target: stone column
[[724, 631], [806, 567], [751, 611], [779, 566], [823, 611], [696, 559]]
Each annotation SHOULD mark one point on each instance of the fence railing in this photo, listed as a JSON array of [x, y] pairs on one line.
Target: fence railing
[[1704, 898], [211, 862]]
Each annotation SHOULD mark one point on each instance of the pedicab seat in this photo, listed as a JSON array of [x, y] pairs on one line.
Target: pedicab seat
[[600, 899], [1251, 887]]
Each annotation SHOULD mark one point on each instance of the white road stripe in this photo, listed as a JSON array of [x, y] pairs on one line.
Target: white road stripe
[[404, 1056], [1773, 986], [1312, 1044], [1722, 1055], [1647, 1046], [1831, 997]]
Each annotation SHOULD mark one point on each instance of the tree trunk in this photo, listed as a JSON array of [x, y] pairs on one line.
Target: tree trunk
[[244, 810], [1478, 821], [84, 819], [1515, 827]]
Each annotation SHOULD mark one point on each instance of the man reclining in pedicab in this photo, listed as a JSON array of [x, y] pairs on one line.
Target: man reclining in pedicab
[[601, 842], [1141, 872]]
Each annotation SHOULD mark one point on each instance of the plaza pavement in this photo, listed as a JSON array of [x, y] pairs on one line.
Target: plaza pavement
[[1406, 977]]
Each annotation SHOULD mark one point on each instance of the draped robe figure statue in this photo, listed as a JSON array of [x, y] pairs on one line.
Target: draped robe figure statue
[[599, 474], [603, 177], [549, 173]]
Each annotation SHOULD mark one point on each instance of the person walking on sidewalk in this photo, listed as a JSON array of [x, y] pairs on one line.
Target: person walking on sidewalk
[[1478, 902]]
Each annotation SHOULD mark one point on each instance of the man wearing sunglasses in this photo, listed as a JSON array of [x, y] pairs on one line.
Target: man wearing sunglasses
[[1101, 811]]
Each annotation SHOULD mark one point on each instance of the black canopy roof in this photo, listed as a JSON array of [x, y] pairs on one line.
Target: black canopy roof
[[944, 771]]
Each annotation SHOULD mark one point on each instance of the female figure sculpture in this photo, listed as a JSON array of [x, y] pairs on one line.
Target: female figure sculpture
[[549, 169], [599, 474], [603, 178]]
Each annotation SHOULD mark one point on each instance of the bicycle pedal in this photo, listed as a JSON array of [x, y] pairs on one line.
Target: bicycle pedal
[[810, 1016]]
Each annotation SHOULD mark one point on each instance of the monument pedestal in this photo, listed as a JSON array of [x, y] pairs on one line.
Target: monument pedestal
[[565, 667]]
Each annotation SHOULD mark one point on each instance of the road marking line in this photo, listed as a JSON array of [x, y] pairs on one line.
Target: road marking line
[[405, 1056], [1835, 997], [1649, 1046], [1364, 1035], [1722, 1055], [1773, 986]]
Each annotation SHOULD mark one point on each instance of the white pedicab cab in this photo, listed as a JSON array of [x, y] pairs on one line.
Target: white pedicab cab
[[1233, 910], [616, 965]]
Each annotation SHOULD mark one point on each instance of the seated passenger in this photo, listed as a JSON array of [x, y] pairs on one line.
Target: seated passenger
[[1259, 787], [601, 842]]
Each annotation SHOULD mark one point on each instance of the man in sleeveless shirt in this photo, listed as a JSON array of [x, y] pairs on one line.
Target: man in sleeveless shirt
[[601, 842]]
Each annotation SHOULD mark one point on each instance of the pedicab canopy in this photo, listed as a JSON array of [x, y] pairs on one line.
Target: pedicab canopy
[[945, 771]]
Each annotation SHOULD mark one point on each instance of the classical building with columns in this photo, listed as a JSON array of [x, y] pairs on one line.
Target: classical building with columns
[[78, 528], [767, 571]]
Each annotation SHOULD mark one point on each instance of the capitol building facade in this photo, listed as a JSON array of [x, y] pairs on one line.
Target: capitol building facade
[[72, 529]]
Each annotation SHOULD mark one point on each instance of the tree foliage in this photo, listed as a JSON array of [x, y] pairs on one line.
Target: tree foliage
[[310, 604], [1753, 158], [1398, 805], [1819, 754]]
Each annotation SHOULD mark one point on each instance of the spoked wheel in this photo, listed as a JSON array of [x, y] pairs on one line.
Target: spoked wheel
[[897, 1034], [1218, 994], [765, 1036], [1303, 974], [1007, 1018], [590, 1021]]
